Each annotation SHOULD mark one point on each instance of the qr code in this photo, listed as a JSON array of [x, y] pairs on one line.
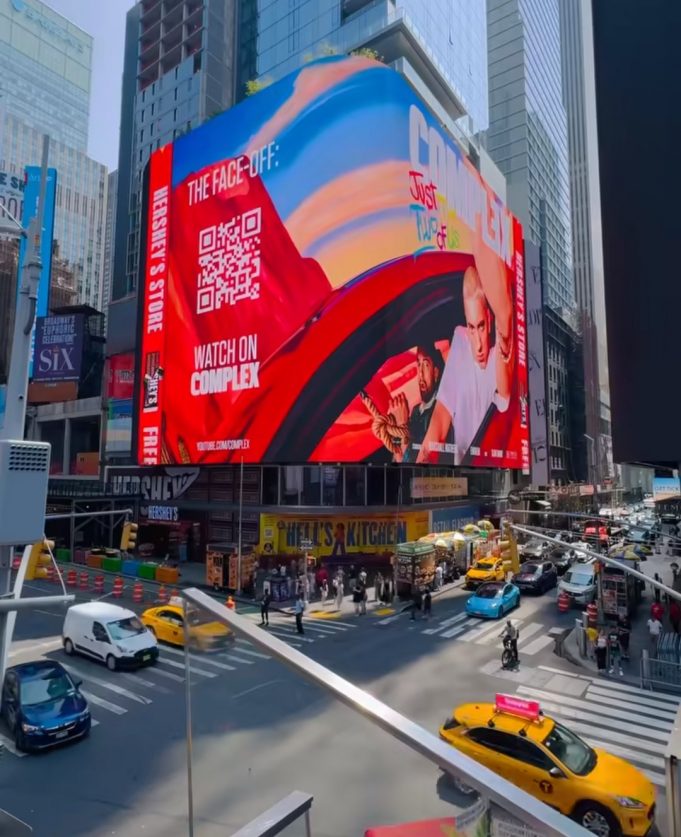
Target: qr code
[[229, 258]]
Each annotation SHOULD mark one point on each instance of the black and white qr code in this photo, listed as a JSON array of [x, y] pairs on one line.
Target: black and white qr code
[[229, 262]]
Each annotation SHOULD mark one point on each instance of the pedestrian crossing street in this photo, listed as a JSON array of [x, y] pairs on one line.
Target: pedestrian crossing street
[[116, 693], [463, 628], [625, 720]]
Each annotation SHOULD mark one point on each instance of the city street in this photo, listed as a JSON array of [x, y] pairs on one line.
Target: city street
[[260, 732]]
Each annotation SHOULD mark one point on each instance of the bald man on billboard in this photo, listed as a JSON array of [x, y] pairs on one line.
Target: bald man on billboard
[[477, 374]]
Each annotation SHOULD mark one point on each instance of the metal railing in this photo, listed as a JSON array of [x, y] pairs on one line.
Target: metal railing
[[284, 813], [513, 801], [662, 673]]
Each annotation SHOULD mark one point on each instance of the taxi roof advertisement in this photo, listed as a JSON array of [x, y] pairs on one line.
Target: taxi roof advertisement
[[328, 279]]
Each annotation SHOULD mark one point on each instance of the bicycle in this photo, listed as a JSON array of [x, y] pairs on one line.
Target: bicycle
[[509, 656]]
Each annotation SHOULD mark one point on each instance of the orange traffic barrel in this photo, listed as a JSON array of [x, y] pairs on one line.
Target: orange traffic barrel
[[563, 603], [84, 581], [138, 593], [117, 591], [72, 578], [163, 594], [230, 603], [99, 584]]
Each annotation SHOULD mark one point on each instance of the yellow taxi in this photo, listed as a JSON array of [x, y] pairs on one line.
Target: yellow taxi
[[605, 794], [485, 569], [167, 624]]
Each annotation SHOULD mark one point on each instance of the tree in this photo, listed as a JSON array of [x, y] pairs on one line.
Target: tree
[[367, 52], [255, 85]]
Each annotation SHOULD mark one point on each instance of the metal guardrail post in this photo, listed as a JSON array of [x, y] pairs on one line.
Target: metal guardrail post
[[507, 796]]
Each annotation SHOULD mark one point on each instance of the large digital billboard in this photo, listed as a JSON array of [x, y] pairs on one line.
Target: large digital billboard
[[327, 278]]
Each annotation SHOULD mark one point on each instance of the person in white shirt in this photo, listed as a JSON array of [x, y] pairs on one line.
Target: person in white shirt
[[477, 375]]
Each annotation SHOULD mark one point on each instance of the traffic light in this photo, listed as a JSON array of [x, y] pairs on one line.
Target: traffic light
[[129, 537], [39, 559]]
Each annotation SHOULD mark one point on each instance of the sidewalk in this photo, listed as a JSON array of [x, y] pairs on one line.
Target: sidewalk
[[658, 562]]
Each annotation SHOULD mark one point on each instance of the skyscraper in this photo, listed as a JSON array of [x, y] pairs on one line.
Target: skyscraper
[[177, 73], [45, 69], [587, 240], [439, 46], [528, 135]]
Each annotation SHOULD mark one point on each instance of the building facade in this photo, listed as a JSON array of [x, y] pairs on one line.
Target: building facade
[[528, 135], [177, 73], [80, 211], [587, 239], [439, 46], [109, 237], [45, 71]]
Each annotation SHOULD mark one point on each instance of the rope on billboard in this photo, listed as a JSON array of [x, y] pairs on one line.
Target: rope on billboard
[[384, 427]]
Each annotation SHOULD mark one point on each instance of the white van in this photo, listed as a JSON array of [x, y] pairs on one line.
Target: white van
[[109, 633]]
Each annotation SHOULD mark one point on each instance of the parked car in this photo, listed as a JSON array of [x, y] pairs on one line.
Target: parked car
[[536, 577], [42, 705]]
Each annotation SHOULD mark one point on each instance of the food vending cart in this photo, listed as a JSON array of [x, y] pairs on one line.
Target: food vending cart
[[416, 563]]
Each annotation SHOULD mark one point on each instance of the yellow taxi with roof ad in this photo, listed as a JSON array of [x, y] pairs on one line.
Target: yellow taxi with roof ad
[[485, 569], [166, 622], [605, 794]]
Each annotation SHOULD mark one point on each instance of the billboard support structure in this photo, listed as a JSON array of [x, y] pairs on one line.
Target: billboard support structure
[[241, 505]]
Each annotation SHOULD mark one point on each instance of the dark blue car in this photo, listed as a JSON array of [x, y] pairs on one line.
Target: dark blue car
[[42, 705]]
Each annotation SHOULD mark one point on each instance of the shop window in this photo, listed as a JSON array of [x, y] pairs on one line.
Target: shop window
[[270, 486], [291, 485], [312, 479], [397, 484], [354, 485], [375, 486], [332, 486]]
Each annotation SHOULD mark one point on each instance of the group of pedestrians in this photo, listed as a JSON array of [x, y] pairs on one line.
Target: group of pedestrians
[[610, 646]]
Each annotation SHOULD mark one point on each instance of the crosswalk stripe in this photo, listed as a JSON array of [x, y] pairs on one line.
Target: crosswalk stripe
[[626, 754], [600, 696], [647, 700], [249, 652], [168, 674], [135, 678], [102, 703], [328, 625], [239, 660], [561, 671], [528, 631], [317, 630], [452, 632], [106, 684], [572, 714], [634, 690], [203, 659], [476, 633], [536, 645], [10, 746], [335, 623], [194, 669], [445, 624], [289, 633], [93, 722], [634, 743], [389, 619], [578, 703]]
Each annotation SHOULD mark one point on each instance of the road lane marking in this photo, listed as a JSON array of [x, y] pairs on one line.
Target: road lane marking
[[445, 623], [249, 652], [168, 674], [135, 678], [644, 705], [194, 669], [239, 660], [202, 659], [104, 704], [106, 684], [536, 645], [10, 746], [570, 713], [254, 689]]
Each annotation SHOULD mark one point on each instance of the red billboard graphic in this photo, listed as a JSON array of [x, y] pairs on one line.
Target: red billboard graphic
[[364, 306], [120, 383]]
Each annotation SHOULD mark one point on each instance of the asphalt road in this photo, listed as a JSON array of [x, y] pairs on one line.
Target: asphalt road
[[260, 732]]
